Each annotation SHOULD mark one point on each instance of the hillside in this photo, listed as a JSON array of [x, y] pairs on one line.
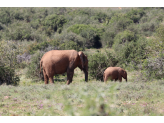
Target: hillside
[[131, 38], [128, 37]]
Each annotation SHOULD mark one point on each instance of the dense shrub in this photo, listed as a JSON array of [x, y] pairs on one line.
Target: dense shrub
[[153, 68], [91, 39], [65, 38], [136, 14], [98, 62], [131, 52], [107, 38], [100, 16], [8, 76], [124, 37], [8, 62], [91, 34], [120, 21], [5, 17], [33, 67], [78, 28], [53, 23], [34, 47], [19, 31], [148, 28], [70, 45]]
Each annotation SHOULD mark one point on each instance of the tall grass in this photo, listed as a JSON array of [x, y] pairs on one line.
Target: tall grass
[[83, 99]]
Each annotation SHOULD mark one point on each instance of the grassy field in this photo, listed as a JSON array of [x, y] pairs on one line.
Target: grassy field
[[94, 98]]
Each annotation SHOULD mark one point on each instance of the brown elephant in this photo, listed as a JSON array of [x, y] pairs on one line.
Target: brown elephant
[[61, 61], [115, 73]]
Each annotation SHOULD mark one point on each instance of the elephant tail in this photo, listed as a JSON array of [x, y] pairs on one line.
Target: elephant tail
[[40, 66]]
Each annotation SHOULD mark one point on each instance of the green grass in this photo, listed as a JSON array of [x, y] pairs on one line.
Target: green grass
[[83, 99]]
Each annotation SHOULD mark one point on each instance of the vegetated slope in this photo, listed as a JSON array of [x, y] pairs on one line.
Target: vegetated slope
[[133, 37], [129, 37]]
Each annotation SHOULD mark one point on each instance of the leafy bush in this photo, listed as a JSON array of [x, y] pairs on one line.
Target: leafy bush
[[7, 75], [107, 38], [19, 31], [91, 34], [123, 37], [33, 67], [35, 24], [53, 23], [70, 37], [70, 45], [5, 17], [23, 60], [160, 35], [8, 62], [153, 68], [100, 16], [100, 61], [120, 22], [136, 14], [148, 28], [131, 52], [78, 28], [91, 39]]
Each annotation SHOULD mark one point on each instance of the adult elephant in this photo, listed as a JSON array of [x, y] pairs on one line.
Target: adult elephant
[[61, 61], [115, 73]]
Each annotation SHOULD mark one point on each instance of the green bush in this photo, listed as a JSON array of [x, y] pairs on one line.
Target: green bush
[[91, 39], [100, 16], [33, 68], [132, 52], [8, 76], [37, 46], [70, 45], [100, 61], [91, 34], [19, 31], [35, 24], [78, 28], [107, 38], [8, 62], [136, 14], [120, 21], [123, 37], [153, 68], [53, 23], [5, 17]]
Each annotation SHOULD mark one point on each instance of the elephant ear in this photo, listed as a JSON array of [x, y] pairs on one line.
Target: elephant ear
[[81, 54], [121, 72]]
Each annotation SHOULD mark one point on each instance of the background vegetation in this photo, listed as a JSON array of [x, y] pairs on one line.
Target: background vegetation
[[132, 38]]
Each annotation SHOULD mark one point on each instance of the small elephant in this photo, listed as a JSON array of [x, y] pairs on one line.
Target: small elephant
[[114, 73], [61, 61]]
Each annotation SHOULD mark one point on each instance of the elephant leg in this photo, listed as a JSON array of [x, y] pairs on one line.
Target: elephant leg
[[120, 78], [116, 79], [45, 77], [51, 80], [105, 79], [69, 76]]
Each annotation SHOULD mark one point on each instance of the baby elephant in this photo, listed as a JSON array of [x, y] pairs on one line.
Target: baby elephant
[[115, 73]]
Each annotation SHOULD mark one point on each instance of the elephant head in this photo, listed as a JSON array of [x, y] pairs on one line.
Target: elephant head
[[84, 64], [123, 73]]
